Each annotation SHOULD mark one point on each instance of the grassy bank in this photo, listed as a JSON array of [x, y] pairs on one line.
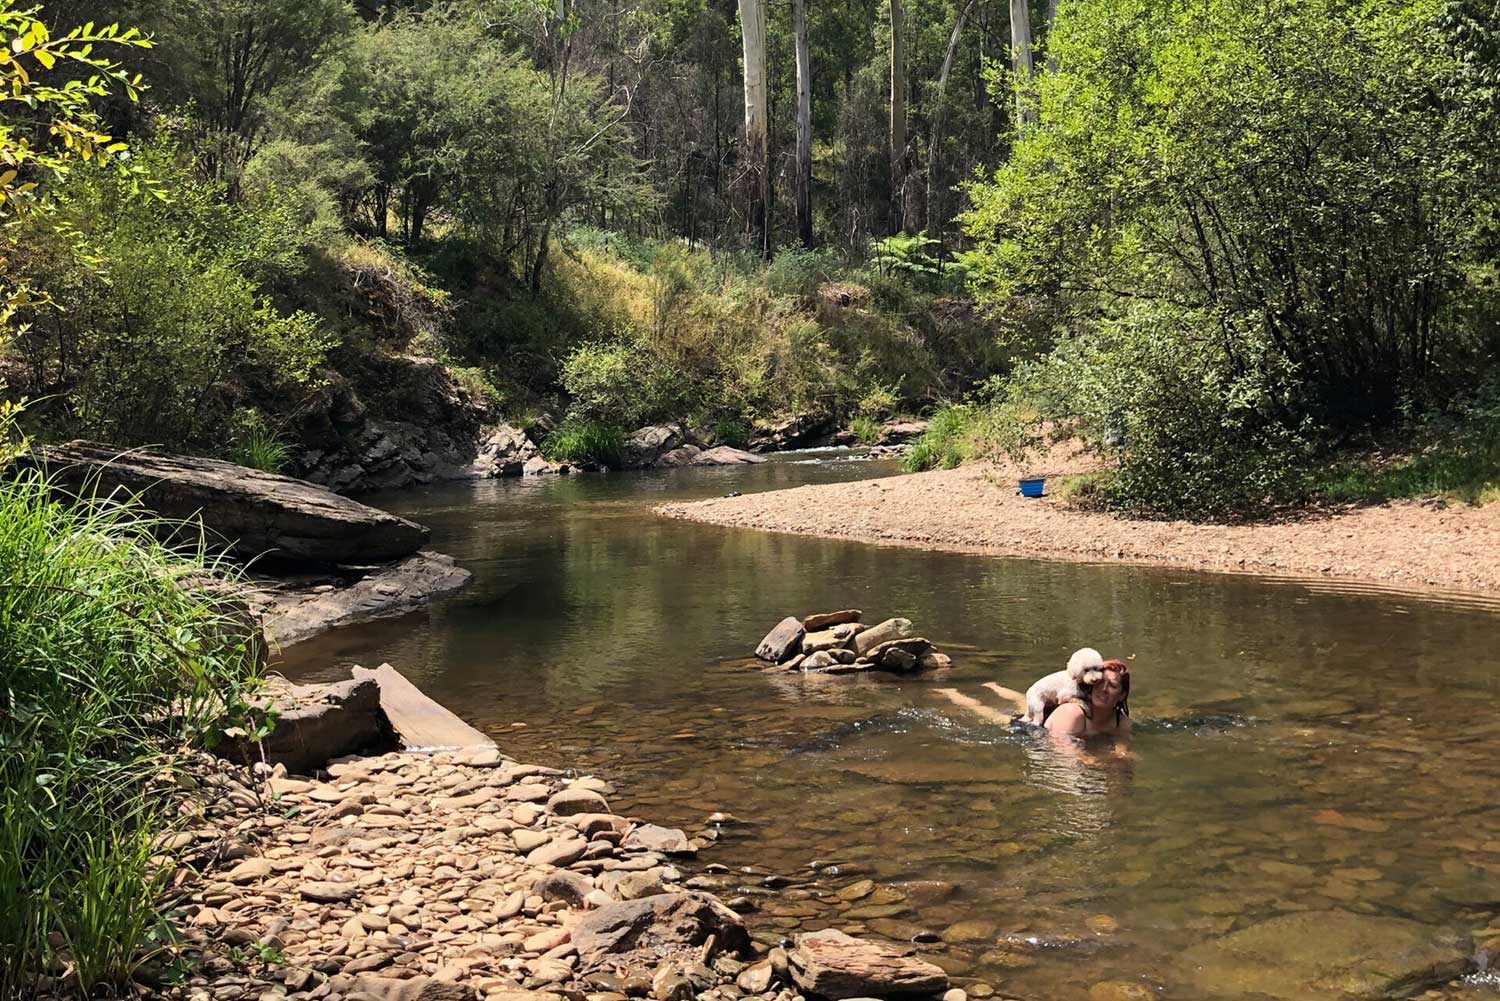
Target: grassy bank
[[113, 666]]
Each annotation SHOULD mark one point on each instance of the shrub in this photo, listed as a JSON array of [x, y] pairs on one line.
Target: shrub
[[112, 664], [169, 308]]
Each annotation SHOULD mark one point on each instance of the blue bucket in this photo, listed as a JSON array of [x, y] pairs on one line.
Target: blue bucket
[[1032, 486]]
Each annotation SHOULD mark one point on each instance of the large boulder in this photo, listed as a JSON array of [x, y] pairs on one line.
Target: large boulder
[[830, 964], [244, 511], [315, 724], [658, 926], [797, 431], [1315, 955], [648, 444]]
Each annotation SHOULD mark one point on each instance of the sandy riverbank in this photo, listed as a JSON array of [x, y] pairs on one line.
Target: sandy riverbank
[[977, 509]]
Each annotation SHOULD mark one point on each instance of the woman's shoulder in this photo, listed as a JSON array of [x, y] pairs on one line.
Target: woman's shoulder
[[1068, 718]]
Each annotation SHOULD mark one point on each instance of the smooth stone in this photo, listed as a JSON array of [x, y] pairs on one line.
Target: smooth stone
[[577, 800], [651, 838], [815, 623], [564, 851], [782, 641], [834, 965]]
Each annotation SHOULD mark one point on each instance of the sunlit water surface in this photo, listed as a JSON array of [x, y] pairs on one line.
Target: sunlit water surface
[[1297, 748]]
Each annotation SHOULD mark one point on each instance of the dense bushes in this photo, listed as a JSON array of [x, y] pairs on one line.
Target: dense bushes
[[112, 664], [1264, 227], [166, 315]]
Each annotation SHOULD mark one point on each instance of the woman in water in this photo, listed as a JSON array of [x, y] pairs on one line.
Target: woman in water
[[1101, 707]]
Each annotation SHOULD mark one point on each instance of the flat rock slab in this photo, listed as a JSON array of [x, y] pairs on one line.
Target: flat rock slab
[[651, 838], [656, 925], [244, 511], [834, 965], [1317, 955], [414, 989], [421, 723], [290, 614], [723, 455], [823, 620], [782, 641]]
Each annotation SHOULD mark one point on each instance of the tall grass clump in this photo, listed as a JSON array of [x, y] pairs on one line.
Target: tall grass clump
[[582, 440], [945, 443], [114, 664]]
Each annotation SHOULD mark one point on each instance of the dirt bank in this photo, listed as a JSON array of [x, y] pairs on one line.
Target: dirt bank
[[977, 509]]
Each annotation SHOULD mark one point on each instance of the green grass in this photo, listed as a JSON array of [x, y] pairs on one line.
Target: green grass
[[1084, 490], [112, 667], [1464, 472], [262, 448], [578, 440], [946, 442], [866, 429]]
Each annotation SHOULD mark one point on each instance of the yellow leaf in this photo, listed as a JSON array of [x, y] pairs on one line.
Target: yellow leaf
[[47, 59], [6, 178]]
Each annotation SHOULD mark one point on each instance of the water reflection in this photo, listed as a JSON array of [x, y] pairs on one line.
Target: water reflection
[[1296, 750]]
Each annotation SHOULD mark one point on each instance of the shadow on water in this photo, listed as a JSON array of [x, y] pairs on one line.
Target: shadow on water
[[1298, 751]]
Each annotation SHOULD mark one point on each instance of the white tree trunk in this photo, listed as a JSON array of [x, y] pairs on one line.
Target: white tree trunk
[[933, 146], [1020, 45], [757, 121], [1051, 23], [804, 124], [898, 116]]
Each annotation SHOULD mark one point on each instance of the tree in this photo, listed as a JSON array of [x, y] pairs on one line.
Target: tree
[[1021, 60], [803, 176], [935, 135], [898, 117], [757, 169], [232, 54]]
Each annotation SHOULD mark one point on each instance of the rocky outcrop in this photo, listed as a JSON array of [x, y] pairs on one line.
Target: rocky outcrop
[[389, 421], [838, 643], [293, 610], [797, 431], [646, 446], [656, 926], [243, 511], [831, 964], [504, 451], [315, 724]]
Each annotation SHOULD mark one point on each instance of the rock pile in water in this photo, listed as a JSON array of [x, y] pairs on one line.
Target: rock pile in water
[[838, 643]]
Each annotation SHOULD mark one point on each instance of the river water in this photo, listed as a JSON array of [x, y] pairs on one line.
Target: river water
[[1315, 771]]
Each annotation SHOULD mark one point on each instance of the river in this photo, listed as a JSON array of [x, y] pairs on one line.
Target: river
[[1314, 771]]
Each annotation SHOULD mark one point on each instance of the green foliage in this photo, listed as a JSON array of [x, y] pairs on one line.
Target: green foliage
[[170, 313], [907, 255], [620, 383], [1456, 456], [82, 750], [580, 440], [946, 442], [1265, 227]]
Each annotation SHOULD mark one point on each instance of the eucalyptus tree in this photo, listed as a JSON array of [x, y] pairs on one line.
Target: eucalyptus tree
[[757, 167], [803, 174]]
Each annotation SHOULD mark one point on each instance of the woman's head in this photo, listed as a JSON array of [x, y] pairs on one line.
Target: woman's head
[[1107, 688]]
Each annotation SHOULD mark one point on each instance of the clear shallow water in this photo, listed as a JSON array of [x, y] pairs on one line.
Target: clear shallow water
[[1297, 748]]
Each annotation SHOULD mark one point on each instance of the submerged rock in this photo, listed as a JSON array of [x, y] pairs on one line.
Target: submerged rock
[[831, 964], [1316, 955], [291, 612]]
